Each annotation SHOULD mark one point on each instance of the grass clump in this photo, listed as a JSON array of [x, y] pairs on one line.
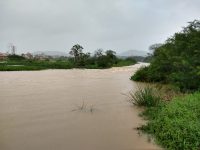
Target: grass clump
[[84, 108], [147, 96], [175, 125]]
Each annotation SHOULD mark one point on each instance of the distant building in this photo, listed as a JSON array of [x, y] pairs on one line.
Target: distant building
[[3, 56]]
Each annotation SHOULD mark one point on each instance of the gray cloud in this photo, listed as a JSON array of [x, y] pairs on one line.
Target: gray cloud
[[34, 25]]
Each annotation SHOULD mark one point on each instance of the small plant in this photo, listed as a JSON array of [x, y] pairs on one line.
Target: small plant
[[147, 96], [83, 107], [92, 108]]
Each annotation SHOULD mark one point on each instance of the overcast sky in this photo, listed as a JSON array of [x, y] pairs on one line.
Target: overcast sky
[[120, 25]]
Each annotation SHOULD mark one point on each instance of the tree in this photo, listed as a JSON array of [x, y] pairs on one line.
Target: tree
[[76, 52], [111, 56], [83, 59], [98, 53], [155, 46]]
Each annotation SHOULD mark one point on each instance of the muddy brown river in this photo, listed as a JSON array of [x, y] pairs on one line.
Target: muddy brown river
[[69, 110]]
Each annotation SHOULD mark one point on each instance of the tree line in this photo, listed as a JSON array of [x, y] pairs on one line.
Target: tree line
[[100, 59]]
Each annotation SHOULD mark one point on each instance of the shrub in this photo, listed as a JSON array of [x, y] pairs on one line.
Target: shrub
[[15, 57], [176, 61], [141, 75]]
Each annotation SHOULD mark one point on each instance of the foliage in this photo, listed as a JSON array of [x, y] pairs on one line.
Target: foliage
[[147, 96], [176, 61], [175, 125], [141, 74], [105, 60], [76, 52], [125, 62], [111, 55], [78, 60], [15, 57]]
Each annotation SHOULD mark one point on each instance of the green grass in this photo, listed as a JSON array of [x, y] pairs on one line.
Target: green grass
[[175, 125], [147, 96]]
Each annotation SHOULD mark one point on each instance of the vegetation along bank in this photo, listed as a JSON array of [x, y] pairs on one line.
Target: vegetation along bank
[[78, 59], [175, 123]]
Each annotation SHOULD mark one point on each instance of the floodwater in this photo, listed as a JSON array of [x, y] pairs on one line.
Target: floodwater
[[76, 109]]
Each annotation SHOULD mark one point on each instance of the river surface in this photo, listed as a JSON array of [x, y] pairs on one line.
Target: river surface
[[76, 109]]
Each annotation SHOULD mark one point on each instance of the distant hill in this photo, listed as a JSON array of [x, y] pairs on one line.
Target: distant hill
[[133, 53], [50, 53]]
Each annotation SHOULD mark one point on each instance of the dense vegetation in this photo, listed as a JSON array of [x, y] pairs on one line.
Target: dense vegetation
[[175, 125], [100, 59], [78, 59], [177, 61]]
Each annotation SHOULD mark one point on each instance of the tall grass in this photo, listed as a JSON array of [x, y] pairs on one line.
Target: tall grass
[[147, 96]]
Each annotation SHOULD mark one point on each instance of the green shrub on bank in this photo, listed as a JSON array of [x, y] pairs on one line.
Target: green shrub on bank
[[176, 125], [147, 96], [141, 75], [125, 62], [15, 58]]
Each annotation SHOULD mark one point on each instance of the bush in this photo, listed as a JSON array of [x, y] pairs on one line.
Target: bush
[[15, 57], [125, 62], [141, 75], [147, 96], [103, 62], [176, 61]]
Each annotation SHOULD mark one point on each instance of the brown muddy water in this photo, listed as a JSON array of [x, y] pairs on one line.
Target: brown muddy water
[[69, 110]]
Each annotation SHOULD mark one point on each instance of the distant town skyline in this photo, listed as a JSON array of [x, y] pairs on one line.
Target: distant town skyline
[[119, 25]]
